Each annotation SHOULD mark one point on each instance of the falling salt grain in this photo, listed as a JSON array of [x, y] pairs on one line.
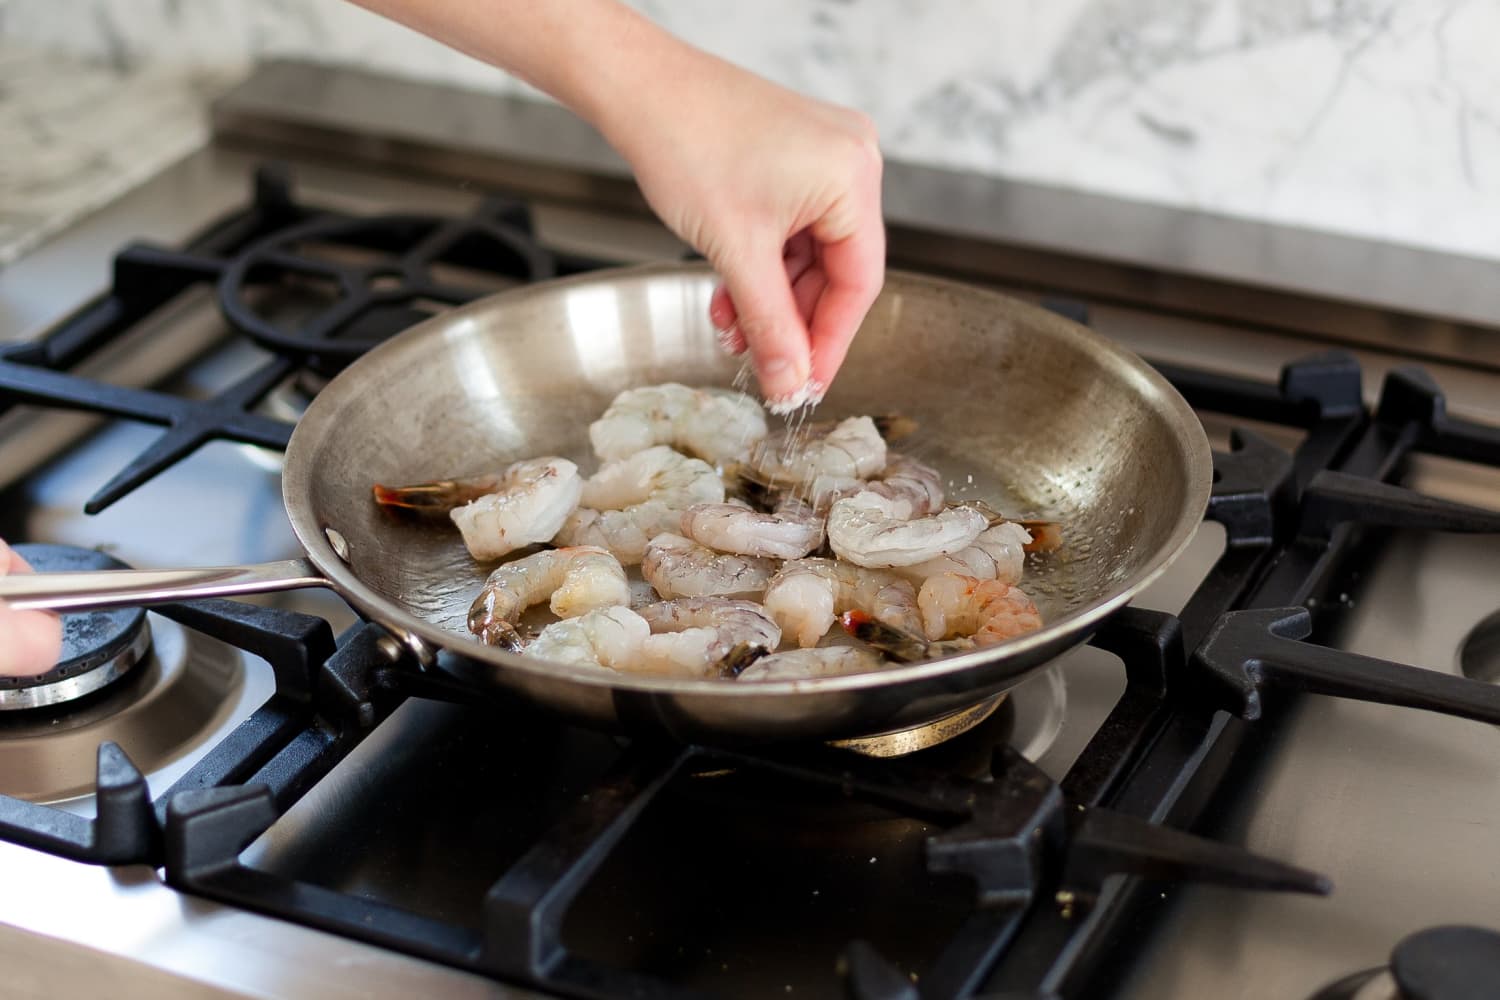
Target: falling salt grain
[[872, 861]]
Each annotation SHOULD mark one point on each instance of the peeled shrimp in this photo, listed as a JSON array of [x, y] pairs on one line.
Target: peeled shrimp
[[806, 595], [791, 532], [629, 502], [712, 425], [801, 664], [575, 580], [867, 529], [694, 636], [524, 504], [609, 637], [916, 487], [680, 567], [853, 448], [999, 553], [989, 611]]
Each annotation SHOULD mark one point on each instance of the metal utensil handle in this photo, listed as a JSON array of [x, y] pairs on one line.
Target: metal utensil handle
[[118, 588]]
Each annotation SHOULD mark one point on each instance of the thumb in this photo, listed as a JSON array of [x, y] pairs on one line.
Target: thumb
[[768, 319], [30, 641]]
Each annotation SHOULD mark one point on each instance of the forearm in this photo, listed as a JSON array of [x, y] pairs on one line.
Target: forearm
[[587, 54]]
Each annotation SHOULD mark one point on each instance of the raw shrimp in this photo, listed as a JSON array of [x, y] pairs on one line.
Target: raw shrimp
[[806, 594], [701, 636], [999, 553], [801, 664], [680, 567], [853, 448], [577, 580], [629, 502], [867, 529], [608, 637], [989, 611], [915, 487], [900, 644], [735, 621], [791, 532], [713, 425], [497, 514]]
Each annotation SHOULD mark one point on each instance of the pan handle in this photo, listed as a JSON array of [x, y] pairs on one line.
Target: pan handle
[[120, 588]]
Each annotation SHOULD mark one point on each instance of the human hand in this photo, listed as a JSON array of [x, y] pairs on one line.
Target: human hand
[[30, 641], [781, 193]]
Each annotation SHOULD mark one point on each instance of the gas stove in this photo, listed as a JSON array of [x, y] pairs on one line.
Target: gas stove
[[261, 798]]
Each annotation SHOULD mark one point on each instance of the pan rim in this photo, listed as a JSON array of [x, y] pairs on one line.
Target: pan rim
[[297, 479]]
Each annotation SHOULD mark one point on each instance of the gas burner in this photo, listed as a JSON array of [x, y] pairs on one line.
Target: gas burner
[[1027, 718], [180, 694], [330, 288], [99, 647], [1441, 963]]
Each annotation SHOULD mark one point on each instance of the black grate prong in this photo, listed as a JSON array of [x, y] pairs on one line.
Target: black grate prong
[[524, 910], [123, 830], [1334, 498], [1252, 488], [1149, 643], [1108, 843], [1330, 381], [125, 827], [1250, 651], [208, 828]]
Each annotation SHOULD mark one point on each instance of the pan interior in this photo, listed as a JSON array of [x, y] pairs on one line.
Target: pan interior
[[1016, 407]]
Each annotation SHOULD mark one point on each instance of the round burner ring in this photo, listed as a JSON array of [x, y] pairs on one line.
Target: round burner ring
[[413, 245], [99, 647]]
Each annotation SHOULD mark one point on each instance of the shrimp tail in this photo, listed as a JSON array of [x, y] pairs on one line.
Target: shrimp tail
[[741, 656], [897, 643], [895, 427], [1046, 536], [436, 498], [492, 629]]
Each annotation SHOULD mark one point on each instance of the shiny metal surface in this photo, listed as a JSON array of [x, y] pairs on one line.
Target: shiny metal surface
[[1047, 420], [1399, 808], [126, 588], [166, 710], [909, 741], [1032, 413], [79, 685], [147, 942]]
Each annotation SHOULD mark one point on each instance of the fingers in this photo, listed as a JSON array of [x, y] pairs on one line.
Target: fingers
[[855, 270], [799, 254], [768, 320], [30, 641]]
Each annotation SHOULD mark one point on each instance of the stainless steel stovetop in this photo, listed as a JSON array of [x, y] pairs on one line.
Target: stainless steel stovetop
[[1396, 806]]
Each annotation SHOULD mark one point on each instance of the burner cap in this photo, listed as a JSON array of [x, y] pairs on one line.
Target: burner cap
[[1448, 963], [98, 647]]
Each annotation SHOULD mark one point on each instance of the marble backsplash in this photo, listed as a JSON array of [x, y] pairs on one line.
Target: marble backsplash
[[1379, 118]]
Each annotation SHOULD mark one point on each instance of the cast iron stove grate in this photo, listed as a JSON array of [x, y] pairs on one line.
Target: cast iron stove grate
[[1062, 874], [382, 275]]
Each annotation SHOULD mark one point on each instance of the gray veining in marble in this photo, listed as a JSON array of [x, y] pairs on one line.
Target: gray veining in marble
[[1379, 118], [77, 134]]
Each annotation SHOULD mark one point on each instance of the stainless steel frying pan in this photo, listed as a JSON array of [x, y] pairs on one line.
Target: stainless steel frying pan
[[1036, 415]]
